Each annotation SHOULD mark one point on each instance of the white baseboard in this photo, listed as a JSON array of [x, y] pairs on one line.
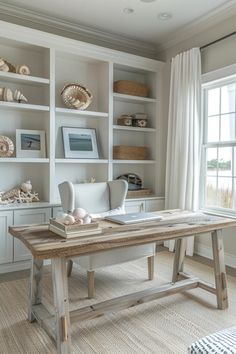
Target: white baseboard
[[206, 251]]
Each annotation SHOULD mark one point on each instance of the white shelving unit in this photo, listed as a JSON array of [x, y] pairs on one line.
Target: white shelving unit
[[54, 62]]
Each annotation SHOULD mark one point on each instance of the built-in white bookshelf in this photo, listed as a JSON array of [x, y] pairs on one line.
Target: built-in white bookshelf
[[54, 62]]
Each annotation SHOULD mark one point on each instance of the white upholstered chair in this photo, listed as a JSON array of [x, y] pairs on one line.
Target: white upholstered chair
[[102, 199]]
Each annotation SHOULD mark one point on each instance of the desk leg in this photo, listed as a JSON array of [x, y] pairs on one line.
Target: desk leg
[[61, 304], [35, 286], [180, 249], [219, 269]]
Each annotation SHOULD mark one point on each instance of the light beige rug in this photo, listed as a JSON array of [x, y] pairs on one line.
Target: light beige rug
[[163, 326]]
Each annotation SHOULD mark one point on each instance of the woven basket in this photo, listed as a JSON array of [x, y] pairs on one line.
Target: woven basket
[[139, 193], [124, 152], [130, 88]]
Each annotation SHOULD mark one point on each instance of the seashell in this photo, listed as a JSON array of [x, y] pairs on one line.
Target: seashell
[[15, 192], [68, 220], [79, 213], [75, 102], [6, 146], [4, 68], [76, 96], [18, 96], [12, 69], [22, 69], [87, 219], [6, 94], [26, 186]]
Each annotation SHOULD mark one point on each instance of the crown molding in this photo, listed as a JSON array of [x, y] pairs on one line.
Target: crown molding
[[88, 34], [202, 24]]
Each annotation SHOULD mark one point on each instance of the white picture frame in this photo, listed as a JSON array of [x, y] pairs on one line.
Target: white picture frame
[[80, 143], [30, 143]]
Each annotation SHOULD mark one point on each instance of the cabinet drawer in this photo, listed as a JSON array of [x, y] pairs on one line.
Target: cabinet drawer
[[23, 217]]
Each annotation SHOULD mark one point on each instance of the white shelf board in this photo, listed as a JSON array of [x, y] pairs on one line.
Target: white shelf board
[[24, 78], [129, 98], [81, 112], [137, 129], [66, 161], [23, 106], [23, 160], [142, 162]]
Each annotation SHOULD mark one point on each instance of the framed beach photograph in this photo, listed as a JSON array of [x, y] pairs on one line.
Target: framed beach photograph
[[80, 143], [30, 143]]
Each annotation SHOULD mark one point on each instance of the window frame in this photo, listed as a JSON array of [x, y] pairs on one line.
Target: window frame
[[211, 80]]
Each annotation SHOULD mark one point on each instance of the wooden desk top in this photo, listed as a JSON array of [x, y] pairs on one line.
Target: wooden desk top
[[45, 244]]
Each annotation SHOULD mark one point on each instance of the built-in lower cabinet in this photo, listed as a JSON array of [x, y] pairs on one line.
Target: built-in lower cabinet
[[15, 256], [137, 206], [6, 241], [25, 217]]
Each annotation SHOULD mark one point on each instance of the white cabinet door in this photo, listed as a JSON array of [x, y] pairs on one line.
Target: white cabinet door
[[56, 211], [23, 217], [6, 240], [155, 204], [134, 206]]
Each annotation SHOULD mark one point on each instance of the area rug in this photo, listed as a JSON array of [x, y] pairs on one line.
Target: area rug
[[164, 326]]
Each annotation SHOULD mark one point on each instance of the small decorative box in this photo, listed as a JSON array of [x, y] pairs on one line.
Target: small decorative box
[[141, 123], [125, 119]]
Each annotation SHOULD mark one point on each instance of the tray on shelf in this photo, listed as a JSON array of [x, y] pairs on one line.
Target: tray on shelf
[[74, 230]]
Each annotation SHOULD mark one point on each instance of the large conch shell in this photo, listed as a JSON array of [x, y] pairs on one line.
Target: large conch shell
[[76, 96], [22, 69], [6, 94]]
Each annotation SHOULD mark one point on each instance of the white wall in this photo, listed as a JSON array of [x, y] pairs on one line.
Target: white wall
[[216, 56]]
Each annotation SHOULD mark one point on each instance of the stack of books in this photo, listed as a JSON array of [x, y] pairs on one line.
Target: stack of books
[[74, 230]]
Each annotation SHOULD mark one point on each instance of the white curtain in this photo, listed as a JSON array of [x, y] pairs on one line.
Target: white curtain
[[184, 135]]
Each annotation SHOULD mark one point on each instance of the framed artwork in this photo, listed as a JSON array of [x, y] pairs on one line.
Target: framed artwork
[[30, 143], [80, 143]]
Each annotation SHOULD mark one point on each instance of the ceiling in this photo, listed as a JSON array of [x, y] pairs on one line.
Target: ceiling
[[108, 17]]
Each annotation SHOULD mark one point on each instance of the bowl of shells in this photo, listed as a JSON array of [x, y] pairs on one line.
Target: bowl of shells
[[76, 96]]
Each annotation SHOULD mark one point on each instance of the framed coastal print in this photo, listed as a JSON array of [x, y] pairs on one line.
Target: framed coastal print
[[80, 143], [30, 143]]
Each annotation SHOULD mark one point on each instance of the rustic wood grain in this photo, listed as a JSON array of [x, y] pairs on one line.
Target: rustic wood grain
[[44, 244], [219, 269]]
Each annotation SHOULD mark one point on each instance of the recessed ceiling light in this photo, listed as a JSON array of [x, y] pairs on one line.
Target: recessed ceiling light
[[163, 16], [147, 0], [128, 10]]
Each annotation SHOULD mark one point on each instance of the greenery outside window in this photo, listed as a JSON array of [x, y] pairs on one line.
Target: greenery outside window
[[219, 146]]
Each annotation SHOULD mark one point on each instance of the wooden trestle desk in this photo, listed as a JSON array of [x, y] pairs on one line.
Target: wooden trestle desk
[[44, 244]]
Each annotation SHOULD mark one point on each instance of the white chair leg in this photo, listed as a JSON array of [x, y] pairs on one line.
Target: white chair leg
[[150, 267], [90, 277]]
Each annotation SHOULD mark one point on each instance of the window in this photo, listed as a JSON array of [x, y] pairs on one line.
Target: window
[[219, 146]]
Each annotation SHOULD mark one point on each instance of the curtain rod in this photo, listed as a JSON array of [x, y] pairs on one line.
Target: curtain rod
[[218, 40]]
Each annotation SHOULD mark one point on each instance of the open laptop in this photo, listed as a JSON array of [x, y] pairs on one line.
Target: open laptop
[[132, 218]]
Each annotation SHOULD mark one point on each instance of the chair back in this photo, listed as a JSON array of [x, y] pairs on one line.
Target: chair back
[[93, 197]]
